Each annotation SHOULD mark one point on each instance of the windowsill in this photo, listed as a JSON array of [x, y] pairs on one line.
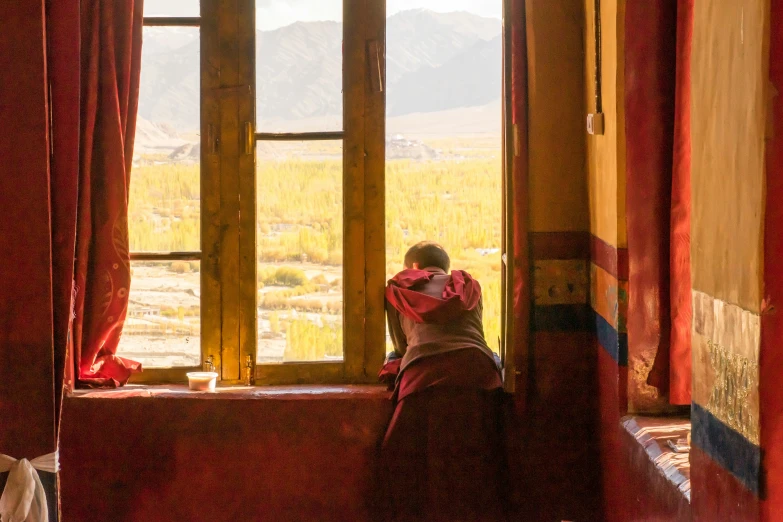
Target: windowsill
[[654, 434], [294, 392]]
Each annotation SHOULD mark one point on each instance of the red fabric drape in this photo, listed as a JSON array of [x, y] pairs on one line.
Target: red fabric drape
[[519, 221], [62, 35], [681, 307], [461, 294], [111, 35], [442, 455], [672, 370]]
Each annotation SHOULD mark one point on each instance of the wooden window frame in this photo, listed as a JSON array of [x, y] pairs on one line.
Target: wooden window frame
[[364, 238], [228, 199]]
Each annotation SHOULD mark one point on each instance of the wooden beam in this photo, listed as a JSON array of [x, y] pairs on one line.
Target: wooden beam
[[172, 21], [165, 256], [230, 138], [211, 312], [355, 15], [299, 136], [300, 373], [248, 260], [374, 187]]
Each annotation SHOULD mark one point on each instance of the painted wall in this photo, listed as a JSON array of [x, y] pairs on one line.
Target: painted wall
[[606, 153], [729, 75], [176, 456], [559, 451], [606, 180], [608, 252], [557, 182]]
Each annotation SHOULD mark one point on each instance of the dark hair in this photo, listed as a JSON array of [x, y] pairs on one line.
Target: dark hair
[[427, 254]]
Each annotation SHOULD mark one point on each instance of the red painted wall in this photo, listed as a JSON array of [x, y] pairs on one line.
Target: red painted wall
[[558, 464], [298, 457], [717, 495], [26, 347], [633, 487], [612, 382]]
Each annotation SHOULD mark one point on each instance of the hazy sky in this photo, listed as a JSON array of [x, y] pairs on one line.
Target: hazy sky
[[271, 14]]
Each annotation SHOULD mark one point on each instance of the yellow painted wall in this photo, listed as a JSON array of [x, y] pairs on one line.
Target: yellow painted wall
[[606, 153], [729, 81], [558, 183], [729, 77]]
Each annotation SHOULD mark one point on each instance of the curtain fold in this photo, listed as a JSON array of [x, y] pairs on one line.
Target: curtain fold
[[671, 371], [519, 118], [681, 307], [111, 35], [62, 35]]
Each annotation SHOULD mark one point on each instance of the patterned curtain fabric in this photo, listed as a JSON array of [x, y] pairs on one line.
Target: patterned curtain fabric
[[111, 33], [672, 369]]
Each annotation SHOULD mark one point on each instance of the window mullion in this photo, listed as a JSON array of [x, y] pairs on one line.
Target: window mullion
[[375, 189], [354, 160], [248, 259], [211, 309], [234, 98]]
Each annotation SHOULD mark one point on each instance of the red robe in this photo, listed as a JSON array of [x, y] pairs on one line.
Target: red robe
[[442, 456]]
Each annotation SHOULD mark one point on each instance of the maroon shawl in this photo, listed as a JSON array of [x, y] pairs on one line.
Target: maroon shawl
[[461, 294]]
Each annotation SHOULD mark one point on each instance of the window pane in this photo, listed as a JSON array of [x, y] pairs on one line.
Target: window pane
[[300, 249], [164, 204], [299, 65], [171, 7], [163, 325], [444, 124]]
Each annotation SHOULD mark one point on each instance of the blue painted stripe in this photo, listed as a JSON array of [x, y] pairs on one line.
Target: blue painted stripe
[[732, 451], [615, 344]]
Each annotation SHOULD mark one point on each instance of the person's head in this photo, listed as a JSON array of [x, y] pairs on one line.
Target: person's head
[[427, 254]]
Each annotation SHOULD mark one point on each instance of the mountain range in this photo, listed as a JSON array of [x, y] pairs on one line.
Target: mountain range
[[437, 64]]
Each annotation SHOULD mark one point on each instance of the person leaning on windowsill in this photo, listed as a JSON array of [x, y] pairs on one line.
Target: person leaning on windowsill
[[442, 454]]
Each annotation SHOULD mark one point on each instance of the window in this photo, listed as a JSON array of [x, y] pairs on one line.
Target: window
[[163, 325], [259, 220]]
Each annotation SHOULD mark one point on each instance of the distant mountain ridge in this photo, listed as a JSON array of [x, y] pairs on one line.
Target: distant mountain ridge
[[435, 62]]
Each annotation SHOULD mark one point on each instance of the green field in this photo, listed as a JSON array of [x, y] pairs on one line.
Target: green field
[[455, 201]]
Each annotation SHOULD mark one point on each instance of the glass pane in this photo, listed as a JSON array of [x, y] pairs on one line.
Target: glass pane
[[299, 65], [164, 203], [300, 250], [163, 325], [171, 7], [444, 125]]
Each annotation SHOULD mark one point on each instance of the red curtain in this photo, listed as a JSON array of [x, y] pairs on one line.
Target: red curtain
[[672, 370], [521, 276], [111, 33], [681, 307], [62, 36]]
